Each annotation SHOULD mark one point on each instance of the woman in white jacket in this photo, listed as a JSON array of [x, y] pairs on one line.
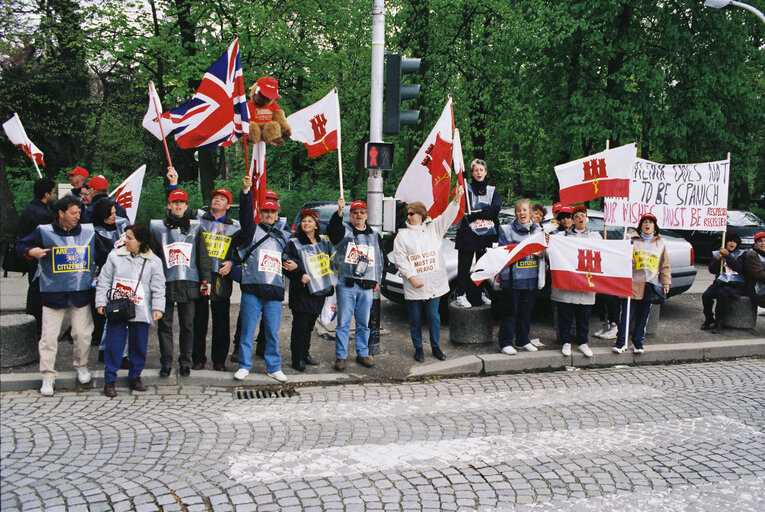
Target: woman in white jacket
[[137, 272], [417, 251]]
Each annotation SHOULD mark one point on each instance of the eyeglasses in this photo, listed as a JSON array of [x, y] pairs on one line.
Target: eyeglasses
[[411, 214], [359, 212]]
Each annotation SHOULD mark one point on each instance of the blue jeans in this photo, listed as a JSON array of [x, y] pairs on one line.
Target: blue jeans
[[352, 301], [516, 323], [102, 345], [251, 309], [430, 307], [567, 314], [116, 334], [639, 311]]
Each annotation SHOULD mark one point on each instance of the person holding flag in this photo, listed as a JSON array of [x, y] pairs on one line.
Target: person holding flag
[[475, 232], [417, 251]]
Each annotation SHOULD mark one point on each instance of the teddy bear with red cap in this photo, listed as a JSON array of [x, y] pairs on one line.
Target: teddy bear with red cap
[[267, 120]]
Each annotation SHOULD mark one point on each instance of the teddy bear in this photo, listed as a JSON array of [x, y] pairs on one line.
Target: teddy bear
[[267, 120]]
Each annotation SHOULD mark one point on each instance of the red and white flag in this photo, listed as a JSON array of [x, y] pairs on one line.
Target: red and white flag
[[318, 125], [428, 177], [591, 265], [498, 258], [153, 117], [129, 192], [258, 174], [458, 162], [18, 136], [605, 174]]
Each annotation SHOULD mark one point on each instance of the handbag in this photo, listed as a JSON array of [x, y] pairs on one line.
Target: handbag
[[120, 307], [654, 293]]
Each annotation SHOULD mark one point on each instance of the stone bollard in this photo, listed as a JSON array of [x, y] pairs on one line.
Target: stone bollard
[[470, 325], [18, 340], [742, 314]]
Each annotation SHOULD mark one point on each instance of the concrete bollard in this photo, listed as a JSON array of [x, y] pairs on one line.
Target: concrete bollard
[[742, 314], [18, 340], [470, 325]]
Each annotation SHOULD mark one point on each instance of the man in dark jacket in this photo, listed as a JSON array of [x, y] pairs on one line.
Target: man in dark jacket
[[754, 270], [100, 191], [78, 177], [68, 253], [36, 213]]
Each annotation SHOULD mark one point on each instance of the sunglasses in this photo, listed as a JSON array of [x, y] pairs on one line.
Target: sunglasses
[[411, 214]]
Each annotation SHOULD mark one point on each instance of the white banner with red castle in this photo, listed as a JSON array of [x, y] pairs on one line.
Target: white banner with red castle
[[591, 265], [129, 192], [681, 196]]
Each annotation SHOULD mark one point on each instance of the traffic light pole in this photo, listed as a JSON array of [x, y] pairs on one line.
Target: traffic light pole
[[375, 180]]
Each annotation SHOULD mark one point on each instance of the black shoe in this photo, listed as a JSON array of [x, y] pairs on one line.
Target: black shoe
[[165, 371], [184, 371], [716, 327], [310, 360], [707, 324], [234, 357], [125, 364], [419, 356], [438, 354], [299, 366], [100, 356]]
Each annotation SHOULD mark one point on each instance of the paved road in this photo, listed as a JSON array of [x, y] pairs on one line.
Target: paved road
[[687, 437]]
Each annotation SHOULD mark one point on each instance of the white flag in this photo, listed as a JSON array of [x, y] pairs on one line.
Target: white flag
[[591, 265], [129, 192], [428, 177], [318, 125], [498, 258], [605, 174], [18, 136], [151, 121]]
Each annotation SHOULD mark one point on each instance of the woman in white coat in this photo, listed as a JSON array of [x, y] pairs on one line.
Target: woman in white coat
[[417, 251]]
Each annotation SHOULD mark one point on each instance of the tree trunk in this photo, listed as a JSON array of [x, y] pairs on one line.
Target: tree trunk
[[9, 218]]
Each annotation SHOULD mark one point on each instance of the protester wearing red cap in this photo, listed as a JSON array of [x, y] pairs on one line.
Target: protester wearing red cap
[[754, 270], [267, 119], [310, 283], [360, 259], [100, 192], [263, 283], [77, 178], [650, 264], [563, 217], [182, 247]]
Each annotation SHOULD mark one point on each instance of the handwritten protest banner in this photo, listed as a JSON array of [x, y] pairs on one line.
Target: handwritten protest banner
[[681, 196]]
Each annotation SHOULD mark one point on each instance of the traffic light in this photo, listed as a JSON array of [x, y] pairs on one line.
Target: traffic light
[[379, 155], [395, 92]]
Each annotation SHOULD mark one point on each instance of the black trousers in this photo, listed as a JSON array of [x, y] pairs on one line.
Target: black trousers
[[221, 330], [464, 284], [725, 293], [300, 339], [34, 301]]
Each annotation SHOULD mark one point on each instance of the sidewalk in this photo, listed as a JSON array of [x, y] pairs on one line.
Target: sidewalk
[[678, 339]]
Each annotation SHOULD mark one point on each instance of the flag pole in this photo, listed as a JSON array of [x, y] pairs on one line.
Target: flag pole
[[339, 139], [159, 122], [466, 197], [605, 231], [39, 174], [722, 260]]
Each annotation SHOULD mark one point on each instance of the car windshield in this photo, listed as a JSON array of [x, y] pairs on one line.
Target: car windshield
[[742, 218]]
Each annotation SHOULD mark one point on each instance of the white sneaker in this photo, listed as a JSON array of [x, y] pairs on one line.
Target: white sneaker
[[600, 331], [241, 374], [611, 333], [585, 349], [566, 350], [83, 375], [278, 376], [47, 387], [485, 298], [463, 301], [619, 350], [509, 350], [529, 347], [636, 350]]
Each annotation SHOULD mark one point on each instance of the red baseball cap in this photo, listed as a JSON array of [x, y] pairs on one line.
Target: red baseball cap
[[178, 195], [79, 171], [580, 208], [98, 183], [268, 86], [565, 209], [312, 213], [647, 215], [270, 205], [270, 194], [222, 192], [358, 205], [556, 207], [759, 235]]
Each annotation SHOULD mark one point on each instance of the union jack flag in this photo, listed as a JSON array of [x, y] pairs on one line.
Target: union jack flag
[[217, 113]]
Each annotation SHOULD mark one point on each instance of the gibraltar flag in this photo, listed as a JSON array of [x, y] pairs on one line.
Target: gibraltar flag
[[129, 192], [258, 174], [318, 125], [153, 117], [428, 177], [591, 265], [605, 174], [498, 258], [18, 136]]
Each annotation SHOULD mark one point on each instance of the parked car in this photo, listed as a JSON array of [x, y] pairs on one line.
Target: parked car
[[745, 223], [325, 209], [681, 258]]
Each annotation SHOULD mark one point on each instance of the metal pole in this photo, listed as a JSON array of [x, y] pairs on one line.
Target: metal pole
[[751, 9]]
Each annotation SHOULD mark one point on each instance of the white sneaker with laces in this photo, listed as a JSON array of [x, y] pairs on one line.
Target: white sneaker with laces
[[47, 387], [600, 331], [485, 298], [241, 374], [529, 347], [278, 376], [619, 350], [585, 349], [636, 350], [611, 333], [463, 301], [83, 375], [509, 350], [566, 350]]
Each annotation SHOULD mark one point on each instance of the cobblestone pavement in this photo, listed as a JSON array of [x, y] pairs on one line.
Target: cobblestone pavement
[[687, 437]]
